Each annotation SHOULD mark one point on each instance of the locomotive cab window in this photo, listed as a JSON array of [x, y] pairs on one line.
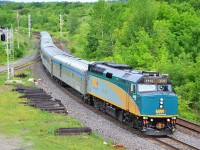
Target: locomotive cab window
[[154, 87], [166, 87], [133, 88]]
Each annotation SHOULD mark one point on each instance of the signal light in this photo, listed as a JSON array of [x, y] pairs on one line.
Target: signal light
[[3, 37]]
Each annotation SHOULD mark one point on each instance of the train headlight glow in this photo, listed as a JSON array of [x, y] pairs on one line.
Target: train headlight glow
[[168, 120], [151, 120], [161, 102]]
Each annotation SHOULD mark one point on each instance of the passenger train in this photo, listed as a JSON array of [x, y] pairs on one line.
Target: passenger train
[[142, 99]]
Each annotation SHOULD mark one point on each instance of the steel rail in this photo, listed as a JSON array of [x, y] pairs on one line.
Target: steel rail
[[183, 144], [24, 65], [164, 144], [188, 125]]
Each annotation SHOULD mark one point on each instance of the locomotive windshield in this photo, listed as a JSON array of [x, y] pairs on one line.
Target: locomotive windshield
[[154, 87]]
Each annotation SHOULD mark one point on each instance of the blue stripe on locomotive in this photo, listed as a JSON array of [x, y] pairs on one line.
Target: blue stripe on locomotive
[[68, 68]]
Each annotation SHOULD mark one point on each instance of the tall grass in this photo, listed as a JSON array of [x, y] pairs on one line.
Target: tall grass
[[37, 127]]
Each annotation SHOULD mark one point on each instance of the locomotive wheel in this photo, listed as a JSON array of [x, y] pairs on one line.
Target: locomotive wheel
[[96, 103], [103, 106]]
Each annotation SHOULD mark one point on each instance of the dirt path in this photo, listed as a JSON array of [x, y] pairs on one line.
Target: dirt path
[[7, 143]]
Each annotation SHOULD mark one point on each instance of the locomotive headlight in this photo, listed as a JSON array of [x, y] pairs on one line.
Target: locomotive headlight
[[168, 120], [161, 102], [151, 120]]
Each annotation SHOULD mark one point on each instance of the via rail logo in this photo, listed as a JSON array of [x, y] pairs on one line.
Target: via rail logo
[[95, 82], [160, 112]]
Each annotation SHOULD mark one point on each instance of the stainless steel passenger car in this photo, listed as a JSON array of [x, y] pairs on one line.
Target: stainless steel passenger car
[[71, 70], [67, 68]]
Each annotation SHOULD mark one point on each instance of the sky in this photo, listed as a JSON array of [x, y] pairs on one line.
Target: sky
[[53, 0]]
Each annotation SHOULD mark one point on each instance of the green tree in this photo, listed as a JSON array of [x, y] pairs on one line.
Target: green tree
[[73, 22]]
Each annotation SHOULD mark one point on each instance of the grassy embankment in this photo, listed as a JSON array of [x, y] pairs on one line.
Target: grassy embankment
[[36, 127]]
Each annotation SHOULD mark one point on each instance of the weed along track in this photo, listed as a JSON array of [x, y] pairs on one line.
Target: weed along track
[[34, 128], [66, 100], [99, 122], [91, 117], [164, 142], [36, 97]]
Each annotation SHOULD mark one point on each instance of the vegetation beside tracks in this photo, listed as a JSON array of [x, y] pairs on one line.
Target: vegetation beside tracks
[[154, 35], [37, 127], [164, 37], [25, 45]]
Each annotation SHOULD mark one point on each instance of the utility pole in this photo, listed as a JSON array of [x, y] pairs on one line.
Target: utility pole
[[60, 19], [11, 45], [17, 29], [12, 57], [7, 52], [29, 26]]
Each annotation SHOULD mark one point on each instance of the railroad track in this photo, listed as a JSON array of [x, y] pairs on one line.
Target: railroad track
[[188, 125], [24, 65], [164, 142], [36, 34], [28, 64], [174, 144], [21, 66]]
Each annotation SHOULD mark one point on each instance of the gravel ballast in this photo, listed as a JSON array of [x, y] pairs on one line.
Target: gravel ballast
[[100, 125]]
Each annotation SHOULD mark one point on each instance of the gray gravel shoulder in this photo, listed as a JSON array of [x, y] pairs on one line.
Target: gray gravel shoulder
[[97, 123]]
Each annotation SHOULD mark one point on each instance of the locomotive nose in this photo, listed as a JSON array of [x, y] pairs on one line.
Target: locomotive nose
[[160, 105]]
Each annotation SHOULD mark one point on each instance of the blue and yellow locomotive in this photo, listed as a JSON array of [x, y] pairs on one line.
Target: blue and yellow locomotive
[[142, 99]]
